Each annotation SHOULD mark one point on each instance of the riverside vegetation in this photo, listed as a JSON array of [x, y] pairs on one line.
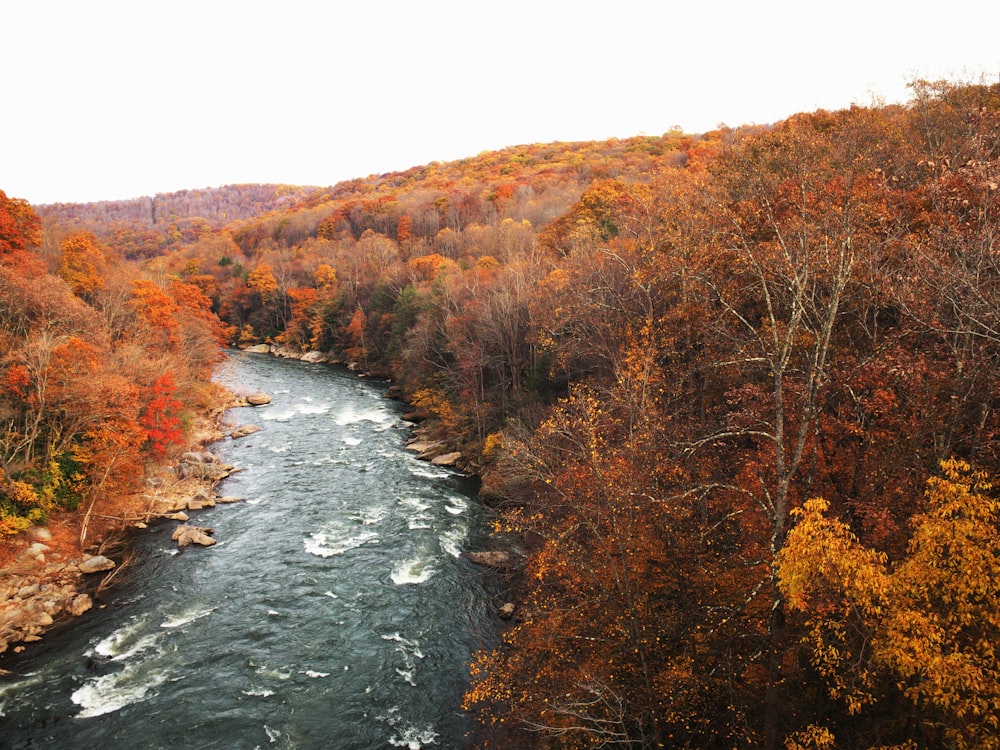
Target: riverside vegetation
[[732, 398]]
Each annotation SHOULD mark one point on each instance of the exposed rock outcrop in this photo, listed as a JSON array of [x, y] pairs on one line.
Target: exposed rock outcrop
[[37, 589], [315, 357], [491, 558], [96, 564], [185, 535], [202, 465], [243, 430]]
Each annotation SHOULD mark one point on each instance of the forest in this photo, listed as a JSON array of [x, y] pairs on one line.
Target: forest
[[733, 399]]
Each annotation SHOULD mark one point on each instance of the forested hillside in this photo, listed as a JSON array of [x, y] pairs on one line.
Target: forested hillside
[[147, 226], [101, 371], [733, 398]]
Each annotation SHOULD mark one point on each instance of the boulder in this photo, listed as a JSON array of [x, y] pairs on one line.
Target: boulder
[[177, 516], [315, 357], [202, 498], [285, 353], [96, 564], [39, 534], [446, 459], [506, 611], [227, 499], [490, 558], [244, 430], [422, 446], [203, 465], [37, 549], [185, 535], [258, 399], [258, 349], [26, 592], [80, 604]]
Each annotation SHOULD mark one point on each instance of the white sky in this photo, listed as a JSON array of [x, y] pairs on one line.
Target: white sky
[[105, 100]]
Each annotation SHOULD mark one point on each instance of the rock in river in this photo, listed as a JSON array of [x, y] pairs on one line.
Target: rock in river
[[185, 535], [96, 564]]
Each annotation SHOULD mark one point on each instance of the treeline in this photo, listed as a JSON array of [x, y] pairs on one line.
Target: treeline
[[734, 397], [151, 225], [101, 370]]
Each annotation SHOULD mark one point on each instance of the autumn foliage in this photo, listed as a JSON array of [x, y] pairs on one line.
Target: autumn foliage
[[99, 365], [659, 352]]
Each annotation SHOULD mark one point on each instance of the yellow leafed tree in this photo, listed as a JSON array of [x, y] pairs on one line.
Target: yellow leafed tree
[[922, 631]]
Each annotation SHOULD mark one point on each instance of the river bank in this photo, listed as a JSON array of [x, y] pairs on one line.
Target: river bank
[[338, 607], [47, 577]]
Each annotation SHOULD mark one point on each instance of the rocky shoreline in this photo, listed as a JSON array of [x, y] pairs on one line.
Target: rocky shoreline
[[42, 587], [45, 585]]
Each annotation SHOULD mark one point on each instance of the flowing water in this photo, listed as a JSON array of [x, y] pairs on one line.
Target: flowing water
[[335, 610]]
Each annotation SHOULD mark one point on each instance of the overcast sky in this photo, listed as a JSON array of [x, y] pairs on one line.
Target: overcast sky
[[106, 100]]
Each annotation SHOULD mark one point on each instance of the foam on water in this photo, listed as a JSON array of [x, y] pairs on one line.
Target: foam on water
[[258, 692], [177, 621], [114, 691], [327, 544], [355, 416], [408, 735], [369, 516], [410, 652], [413, 504], [416, 570], [427, 471], [127, 641], [290, 412], [452, 540], [271, 673]]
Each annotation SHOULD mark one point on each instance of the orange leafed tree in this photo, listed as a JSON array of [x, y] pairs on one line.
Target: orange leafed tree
[[156, 309], [20, 230], [83, 264]]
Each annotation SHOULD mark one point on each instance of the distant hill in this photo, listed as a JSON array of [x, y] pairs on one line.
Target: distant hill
[[147, 225], [218, 205], [538, 182]]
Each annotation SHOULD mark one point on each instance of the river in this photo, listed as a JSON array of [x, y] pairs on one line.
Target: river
[[335, 611]]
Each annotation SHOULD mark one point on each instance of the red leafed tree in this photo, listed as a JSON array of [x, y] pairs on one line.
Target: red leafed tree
[[160, 417]]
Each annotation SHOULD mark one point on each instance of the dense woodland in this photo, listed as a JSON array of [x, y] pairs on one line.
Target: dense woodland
[[733, 398]]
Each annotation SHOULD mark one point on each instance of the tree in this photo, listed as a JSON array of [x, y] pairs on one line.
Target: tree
[[157, 310], [806, 209], [356, 335], [262, 280], [20, 230], [914, 642], [83, 264], [160, 415], [603, 655]]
